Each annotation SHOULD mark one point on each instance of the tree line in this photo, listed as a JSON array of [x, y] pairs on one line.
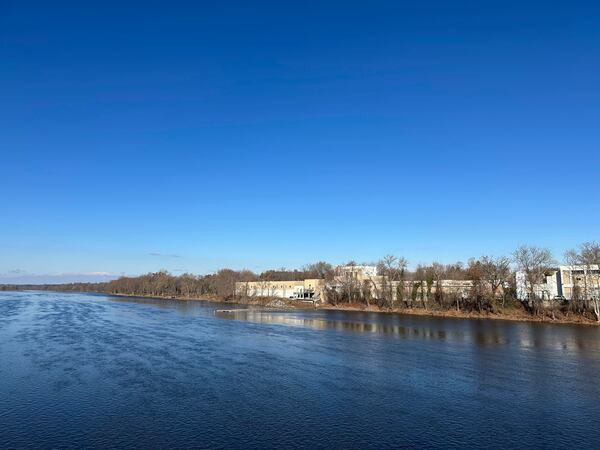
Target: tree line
[[491, 279]]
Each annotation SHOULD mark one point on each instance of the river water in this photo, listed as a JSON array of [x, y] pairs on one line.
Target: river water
[[84, 370]]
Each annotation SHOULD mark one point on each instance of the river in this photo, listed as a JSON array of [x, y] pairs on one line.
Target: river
[[86, 370]]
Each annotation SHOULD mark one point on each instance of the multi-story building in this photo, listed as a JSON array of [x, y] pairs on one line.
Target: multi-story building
[[582, 281], [353, 277], [358, 273], [300, 289], [367, 275], [563, 282]]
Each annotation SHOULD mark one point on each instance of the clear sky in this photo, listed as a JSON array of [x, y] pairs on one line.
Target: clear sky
[[136, 136]]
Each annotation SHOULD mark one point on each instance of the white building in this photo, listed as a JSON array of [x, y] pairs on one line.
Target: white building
[[359, 273]]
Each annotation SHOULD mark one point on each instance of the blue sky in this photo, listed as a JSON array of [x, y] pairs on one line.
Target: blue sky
[[189, 136]]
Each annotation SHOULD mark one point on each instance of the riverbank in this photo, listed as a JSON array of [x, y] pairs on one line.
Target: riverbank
[[265, 302], [511, 314], [517, 314]]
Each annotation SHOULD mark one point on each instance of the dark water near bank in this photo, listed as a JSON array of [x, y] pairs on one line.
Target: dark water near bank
[[95, 371]]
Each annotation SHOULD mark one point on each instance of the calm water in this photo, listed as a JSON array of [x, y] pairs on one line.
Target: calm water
[[96, 371]]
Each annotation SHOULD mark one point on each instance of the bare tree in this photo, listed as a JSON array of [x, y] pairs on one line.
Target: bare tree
[[187, 281], [496, 273], [590, 253], [366, 293], [588, 258], [320, 270], [438, 271], [345, 286], [578, 298], [477, 291], [391, 269], [534, 262]]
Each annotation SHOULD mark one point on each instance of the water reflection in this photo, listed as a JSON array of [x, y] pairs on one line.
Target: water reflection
[[483, 333], [480, 332]]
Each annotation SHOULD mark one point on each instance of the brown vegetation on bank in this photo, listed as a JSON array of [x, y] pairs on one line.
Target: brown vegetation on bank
[[492, 295]]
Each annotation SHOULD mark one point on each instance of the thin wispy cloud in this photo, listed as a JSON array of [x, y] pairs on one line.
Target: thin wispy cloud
[[164, 255], [16, 271], [24, 277]]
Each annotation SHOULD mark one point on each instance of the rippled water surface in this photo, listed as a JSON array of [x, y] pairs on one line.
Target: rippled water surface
[[81, 370]]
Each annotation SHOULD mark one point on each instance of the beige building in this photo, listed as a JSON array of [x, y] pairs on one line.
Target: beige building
[[367, 276], [301, 289], [562, 283], [449, 287], [584, 278], [355, 277]]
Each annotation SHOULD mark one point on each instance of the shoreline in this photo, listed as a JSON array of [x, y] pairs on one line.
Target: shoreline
[[278, 303], [469, 315]]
